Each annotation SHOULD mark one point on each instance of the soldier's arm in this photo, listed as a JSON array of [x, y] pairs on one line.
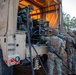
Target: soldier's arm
[[45, 38], [62, 36], [67, 38], [62, 47]]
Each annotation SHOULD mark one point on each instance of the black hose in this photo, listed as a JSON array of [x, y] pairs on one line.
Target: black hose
[[34, 33], [62, 60], [55, 54], [39, 59], [29, 38]]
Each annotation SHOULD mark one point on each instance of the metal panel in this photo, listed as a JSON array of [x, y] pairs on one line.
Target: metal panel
[[40, 49]]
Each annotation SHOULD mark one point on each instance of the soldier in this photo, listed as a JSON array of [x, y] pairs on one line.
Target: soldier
[[45, 28], [74, 53], [52, 58], [69, 48], [74, 35]]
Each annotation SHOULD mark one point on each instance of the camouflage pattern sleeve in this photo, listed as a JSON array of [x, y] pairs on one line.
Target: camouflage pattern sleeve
[[62, 47], [45, 38], [67, 38], [62, 44], [62, 37]]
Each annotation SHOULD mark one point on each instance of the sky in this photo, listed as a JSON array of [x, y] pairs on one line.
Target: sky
[[69, 7]]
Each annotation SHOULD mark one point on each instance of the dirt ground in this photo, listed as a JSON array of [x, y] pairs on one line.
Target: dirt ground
[[26, 70]]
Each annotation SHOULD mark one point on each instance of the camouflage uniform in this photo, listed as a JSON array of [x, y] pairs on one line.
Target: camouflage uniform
[[69, 49], [74, 63], [52, 58], [74, 54], [70, 56]]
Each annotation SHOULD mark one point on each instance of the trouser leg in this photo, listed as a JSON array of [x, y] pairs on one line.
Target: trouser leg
[[69, 64], [74, 64], [59, 66], [50, 64]]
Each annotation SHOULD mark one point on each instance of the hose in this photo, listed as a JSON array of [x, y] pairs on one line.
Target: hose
[[34, 33], [39, 59], [29, 38]]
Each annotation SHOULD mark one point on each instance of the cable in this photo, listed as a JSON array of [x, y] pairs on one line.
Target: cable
[[34, 33], [29, 38], [64, 72], [39, 59]]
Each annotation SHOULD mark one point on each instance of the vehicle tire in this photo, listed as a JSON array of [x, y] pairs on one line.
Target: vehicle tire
[[4, 69]]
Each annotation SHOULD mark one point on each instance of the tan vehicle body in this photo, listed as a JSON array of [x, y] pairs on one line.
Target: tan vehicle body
[[14, 47]]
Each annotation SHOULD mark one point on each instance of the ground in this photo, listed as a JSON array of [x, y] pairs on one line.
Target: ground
[[26, 70]]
